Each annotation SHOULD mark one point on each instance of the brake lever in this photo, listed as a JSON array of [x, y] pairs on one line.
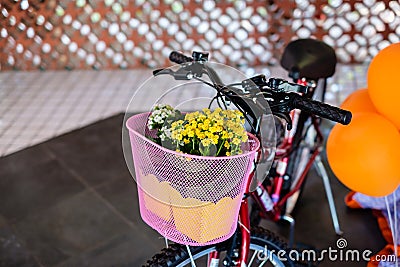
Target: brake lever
[[281, 94], [281, 85], [186, 72], [274, 84], [180, 74], [281, 103], [161, 71], [254, 83]]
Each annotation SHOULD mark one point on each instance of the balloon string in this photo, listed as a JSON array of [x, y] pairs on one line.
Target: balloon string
[[391, 224]]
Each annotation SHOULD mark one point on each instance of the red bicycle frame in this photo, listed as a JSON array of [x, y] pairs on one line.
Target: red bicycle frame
[[278, 202], [244, 222], [282, 164]]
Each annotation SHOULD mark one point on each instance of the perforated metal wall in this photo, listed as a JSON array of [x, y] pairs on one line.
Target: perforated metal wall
[[127, 34]]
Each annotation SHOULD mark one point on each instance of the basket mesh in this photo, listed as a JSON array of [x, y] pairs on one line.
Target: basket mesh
[[189, 199]]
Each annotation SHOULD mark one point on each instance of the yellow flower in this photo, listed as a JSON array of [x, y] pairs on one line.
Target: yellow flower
[[209, 134], [223, 128], [213, 129], [201, 135], [215, 139], [227, 145], [207, 112], [218, 110], [206, 142], [201, 117], [190, 133], [205, 127], [236, 141]]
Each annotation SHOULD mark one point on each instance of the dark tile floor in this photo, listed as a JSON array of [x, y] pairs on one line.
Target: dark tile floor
[[71, 202]]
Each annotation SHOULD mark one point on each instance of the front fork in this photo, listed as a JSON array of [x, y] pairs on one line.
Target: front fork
[[244, 227], [244, 222], [245, 230], [239, 260]]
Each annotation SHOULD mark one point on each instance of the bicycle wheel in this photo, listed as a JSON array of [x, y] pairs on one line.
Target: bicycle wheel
[[265, 247]]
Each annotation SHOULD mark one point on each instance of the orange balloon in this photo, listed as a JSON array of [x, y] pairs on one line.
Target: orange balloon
[[359, 101], [365, 155], [383, 82]]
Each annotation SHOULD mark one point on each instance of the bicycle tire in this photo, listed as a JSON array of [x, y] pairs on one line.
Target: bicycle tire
[[177, 255]]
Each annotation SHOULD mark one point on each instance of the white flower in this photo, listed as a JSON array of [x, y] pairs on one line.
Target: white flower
[[165, 133], [157, 119]]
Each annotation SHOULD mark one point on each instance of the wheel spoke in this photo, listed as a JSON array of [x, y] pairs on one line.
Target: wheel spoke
[[262, 264], [191, 257], [252, 258]]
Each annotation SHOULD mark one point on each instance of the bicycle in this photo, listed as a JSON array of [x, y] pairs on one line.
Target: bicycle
[[282, 97], [308, 62]]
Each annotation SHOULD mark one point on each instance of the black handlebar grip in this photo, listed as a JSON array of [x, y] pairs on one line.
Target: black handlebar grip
[[179, 58], [321, 109]]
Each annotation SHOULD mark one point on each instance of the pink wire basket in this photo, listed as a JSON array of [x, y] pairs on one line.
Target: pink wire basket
[[189, 199]]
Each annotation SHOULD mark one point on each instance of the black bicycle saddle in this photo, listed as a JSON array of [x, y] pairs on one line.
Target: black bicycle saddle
[[309, 58]]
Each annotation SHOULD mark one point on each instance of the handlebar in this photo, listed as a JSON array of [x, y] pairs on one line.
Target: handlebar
[[179, 58], [322, 109], [280, 94]]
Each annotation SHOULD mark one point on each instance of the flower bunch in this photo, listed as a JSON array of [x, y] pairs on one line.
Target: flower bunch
[[160, 119], [207, 133]]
